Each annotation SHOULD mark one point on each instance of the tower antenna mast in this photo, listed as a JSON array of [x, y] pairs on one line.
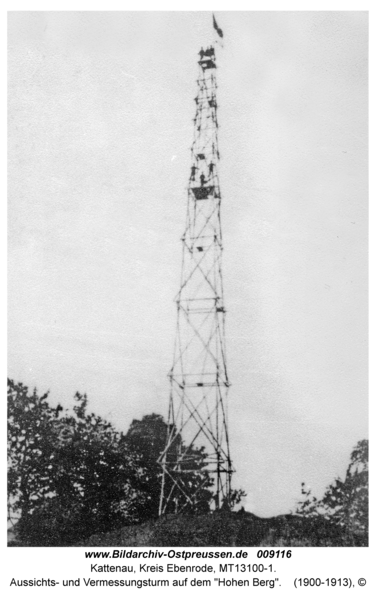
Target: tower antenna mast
[[197, 454]]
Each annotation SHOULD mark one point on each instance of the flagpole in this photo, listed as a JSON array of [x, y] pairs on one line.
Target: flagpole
[[217, 38]]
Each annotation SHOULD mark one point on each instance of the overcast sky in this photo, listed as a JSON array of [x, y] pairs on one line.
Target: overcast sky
[[100, 125]]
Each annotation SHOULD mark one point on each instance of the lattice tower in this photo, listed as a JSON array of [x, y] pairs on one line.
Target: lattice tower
[[197, 416]]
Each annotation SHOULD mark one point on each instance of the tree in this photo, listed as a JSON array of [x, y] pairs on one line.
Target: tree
[[97, 472], [345, 502], [70, 474], [32, 440], [147, 438]]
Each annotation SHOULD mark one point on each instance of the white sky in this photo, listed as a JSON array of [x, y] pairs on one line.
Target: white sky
[[100, 125]]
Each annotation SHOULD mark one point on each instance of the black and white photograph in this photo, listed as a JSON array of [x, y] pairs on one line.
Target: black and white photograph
[[187, 279]]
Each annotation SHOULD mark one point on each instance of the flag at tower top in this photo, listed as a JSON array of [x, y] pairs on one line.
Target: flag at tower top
[[218, 29]]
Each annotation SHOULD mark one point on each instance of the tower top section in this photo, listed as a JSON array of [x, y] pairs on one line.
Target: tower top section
[[207, 58], [203, 182]]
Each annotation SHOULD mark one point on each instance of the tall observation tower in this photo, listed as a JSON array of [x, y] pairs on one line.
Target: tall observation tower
[[197, 415]]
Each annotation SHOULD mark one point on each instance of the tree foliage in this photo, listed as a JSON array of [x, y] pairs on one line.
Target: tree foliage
[[31, 445], [70, 474], [345, 501]]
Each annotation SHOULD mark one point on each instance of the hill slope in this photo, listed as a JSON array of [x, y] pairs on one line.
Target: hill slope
[[223, 529]]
